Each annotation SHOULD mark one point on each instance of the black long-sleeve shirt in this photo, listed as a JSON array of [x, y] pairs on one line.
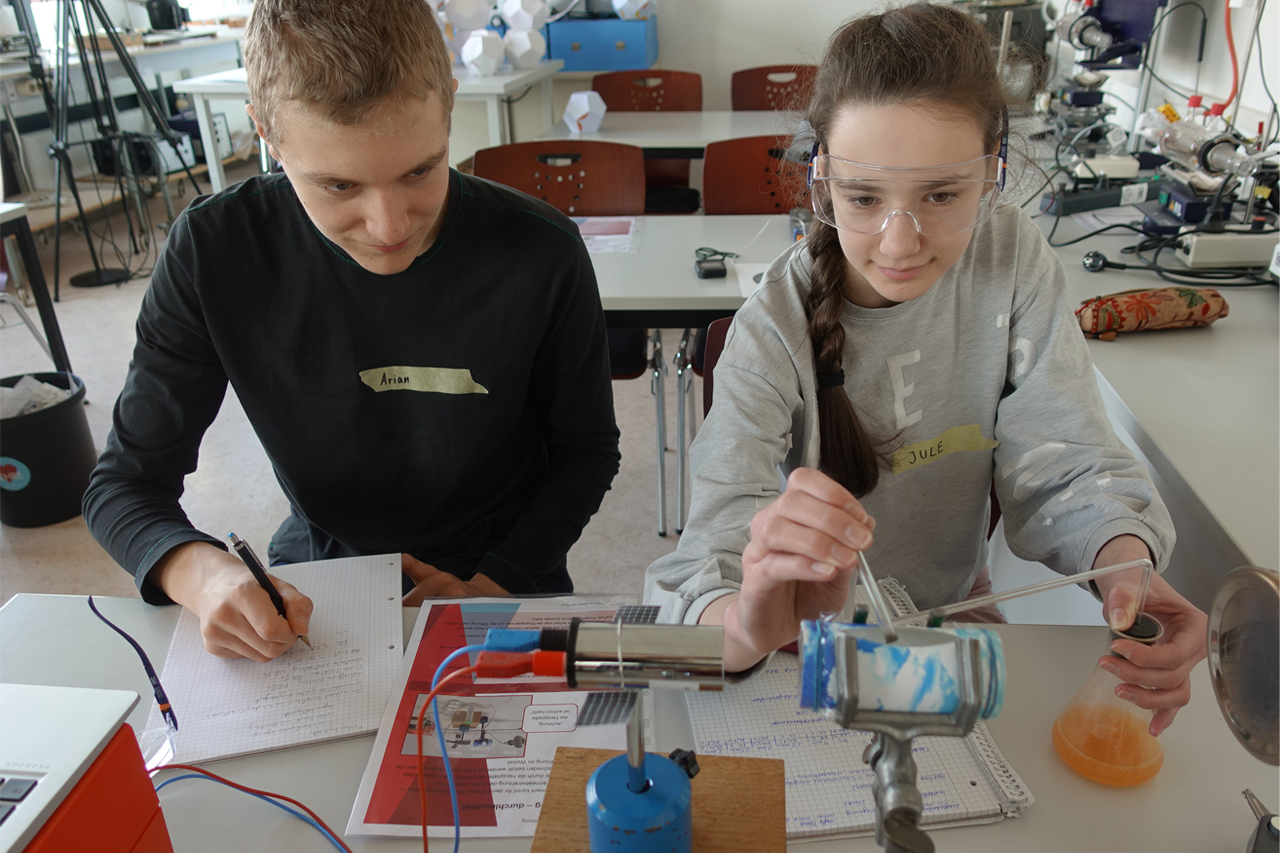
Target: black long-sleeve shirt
[[459, 411]]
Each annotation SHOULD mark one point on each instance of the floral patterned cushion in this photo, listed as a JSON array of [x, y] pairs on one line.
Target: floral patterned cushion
[[1154, 308]]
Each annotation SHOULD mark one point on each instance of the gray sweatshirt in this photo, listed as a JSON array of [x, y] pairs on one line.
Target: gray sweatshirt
[[985, 377]]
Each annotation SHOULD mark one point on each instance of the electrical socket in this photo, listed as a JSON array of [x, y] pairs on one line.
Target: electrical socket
[[1226, 249]]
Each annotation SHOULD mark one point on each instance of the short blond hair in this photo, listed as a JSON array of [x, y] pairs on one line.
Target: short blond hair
[[343, 58]]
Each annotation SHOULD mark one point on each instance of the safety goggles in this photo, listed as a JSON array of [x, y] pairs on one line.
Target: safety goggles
[[937, 200]]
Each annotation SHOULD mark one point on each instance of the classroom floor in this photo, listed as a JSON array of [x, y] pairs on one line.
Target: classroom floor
[[234, 488]]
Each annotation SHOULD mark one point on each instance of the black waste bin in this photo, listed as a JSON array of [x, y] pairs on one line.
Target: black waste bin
[[46, 457]]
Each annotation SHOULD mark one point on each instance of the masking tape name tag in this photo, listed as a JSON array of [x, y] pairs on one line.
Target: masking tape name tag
[[439, 380]]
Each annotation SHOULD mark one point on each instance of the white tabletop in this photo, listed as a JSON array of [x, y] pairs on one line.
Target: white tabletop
[[192, 51], [232, 83], [1193, 804], [1204, 404], [682, 129], [12, 210], [659, 275]]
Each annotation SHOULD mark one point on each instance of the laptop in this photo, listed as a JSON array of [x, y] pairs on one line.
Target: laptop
[[49, 736]]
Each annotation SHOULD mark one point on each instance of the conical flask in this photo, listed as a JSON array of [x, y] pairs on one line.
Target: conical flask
[[1101, 736]]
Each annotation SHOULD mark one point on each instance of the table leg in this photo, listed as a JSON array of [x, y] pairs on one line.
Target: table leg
[[204, 116], [499, 133], [548, 117], [40, 290]]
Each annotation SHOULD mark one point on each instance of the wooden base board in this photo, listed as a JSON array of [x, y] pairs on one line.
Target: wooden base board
[[739, 804]]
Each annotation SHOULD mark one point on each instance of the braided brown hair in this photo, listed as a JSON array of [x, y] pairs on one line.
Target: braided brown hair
[[915, 53]]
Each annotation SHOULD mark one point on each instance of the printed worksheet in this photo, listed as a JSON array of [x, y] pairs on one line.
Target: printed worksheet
[[500, 734], [608, 233]]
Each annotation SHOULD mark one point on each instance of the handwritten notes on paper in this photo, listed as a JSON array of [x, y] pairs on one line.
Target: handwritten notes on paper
[[337, 689]]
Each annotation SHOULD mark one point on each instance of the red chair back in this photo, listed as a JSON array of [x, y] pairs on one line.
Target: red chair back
[[575, 176], [750, 175], [772, 87], [650, 90]]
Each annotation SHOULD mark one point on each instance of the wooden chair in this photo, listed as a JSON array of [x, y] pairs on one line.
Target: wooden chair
[[577, 177], [586, 178], [653, 90], [739, 176], [750, 175], [772, 87]]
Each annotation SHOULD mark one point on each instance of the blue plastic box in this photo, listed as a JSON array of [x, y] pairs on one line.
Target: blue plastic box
[[603, 44]]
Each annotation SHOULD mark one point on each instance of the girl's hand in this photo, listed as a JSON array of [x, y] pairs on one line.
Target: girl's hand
[[1158, 676], [800, 563]]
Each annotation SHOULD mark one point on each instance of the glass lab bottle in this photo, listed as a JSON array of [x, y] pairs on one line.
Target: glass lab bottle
[[1103, 737]]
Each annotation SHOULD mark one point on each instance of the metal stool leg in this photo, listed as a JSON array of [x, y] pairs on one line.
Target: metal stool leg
[[658, 368], [684, 388], [8, 299]]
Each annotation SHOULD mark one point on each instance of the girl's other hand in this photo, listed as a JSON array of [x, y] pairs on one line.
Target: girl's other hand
[[1158, 676]]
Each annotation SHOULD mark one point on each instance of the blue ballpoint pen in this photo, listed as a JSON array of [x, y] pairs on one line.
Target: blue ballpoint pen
[[260, 575]]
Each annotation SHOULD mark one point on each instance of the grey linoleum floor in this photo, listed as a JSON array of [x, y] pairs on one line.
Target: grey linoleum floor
[[234, 488]]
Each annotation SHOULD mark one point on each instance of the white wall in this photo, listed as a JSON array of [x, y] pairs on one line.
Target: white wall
[[717, 37]]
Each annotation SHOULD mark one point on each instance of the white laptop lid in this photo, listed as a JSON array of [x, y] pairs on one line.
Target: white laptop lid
[[52, 735]]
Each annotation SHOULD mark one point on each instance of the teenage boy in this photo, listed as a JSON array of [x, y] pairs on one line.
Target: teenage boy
[[422, 354]]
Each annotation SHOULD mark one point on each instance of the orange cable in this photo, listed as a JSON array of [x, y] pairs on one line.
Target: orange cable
[[193, 769], [1235, 66], [422, 775]]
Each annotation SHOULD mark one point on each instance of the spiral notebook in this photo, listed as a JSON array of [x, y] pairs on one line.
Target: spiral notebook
[[829, 788]]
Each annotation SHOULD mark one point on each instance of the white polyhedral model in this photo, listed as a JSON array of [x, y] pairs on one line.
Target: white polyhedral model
[[469, 14], [525, 48], [525, 14], [632, 9], [483, 53], [584, 112]]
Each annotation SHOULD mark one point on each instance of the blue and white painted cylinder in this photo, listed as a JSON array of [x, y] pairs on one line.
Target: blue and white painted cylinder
[[919, 673]]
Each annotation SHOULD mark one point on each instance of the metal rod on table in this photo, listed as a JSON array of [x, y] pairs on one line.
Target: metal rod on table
[[884, 617], [1065, 580], [636, 780]]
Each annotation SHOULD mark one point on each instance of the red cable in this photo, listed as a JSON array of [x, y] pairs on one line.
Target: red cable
[[1235, 67], [193, 769], [422, 774]]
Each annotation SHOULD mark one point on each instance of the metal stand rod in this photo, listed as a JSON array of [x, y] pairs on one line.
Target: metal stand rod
[[637, 782], [898, 801]]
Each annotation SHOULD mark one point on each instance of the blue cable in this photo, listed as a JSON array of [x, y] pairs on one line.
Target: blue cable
[[444, 750], [275, 803]]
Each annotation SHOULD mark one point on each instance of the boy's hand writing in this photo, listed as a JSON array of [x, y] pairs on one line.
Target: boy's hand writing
[[237, 618]]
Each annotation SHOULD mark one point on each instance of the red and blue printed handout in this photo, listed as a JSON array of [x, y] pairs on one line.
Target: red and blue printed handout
[[500, 734]]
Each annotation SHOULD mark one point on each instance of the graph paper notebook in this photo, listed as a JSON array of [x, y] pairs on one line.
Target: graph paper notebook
[[829, 788], [337, 689]]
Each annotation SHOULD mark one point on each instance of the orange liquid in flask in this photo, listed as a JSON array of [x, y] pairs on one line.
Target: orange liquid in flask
[[1107, 745]]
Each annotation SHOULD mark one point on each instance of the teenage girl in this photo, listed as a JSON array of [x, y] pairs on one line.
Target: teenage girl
[[916, 348]]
